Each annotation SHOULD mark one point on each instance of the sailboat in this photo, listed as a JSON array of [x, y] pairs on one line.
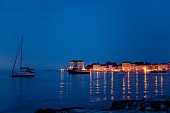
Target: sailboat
[[23, 71]]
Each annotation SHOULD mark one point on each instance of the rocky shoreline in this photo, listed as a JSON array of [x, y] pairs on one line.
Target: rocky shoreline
[[156, 104]]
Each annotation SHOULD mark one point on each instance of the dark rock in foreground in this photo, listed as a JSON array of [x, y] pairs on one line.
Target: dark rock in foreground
[[48, 110], [62, 110], [157, 104]]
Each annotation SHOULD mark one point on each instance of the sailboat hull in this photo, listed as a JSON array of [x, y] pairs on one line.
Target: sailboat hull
[[22, 74]]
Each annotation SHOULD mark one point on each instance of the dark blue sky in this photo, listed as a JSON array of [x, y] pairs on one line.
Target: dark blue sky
[[57, 31]]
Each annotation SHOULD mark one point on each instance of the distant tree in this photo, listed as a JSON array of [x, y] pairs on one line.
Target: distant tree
[[89, 66], [139, 63], [108, 63], [147, 63], [114, 64], [111, 63], [98, 63]]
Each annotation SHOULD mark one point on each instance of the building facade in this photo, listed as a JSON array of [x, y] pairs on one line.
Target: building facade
[[78, 64], [127, 66]]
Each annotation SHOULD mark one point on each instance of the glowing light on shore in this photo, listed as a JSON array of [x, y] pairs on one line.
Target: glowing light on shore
[[62, 70], [145, 70]]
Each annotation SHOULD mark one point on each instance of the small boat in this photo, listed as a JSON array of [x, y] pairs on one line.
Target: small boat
[[24, 71], [77, 71]]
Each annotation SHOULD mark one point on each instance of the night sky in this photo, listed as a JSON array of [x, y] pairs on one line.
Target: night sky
[[58, 31]]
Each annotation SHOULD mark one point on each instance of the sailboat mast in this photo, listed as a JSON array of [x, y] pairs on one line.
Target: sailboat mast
[[21, 53], [17, 56]]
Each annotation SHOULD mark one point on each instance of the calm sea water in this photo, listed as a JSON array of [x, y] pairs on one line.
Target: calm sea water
[[94, 91]]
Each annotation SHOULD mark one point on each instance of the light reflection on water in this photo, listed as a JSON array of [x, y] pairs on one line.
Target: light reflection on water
[[97, 90], [111, 86]]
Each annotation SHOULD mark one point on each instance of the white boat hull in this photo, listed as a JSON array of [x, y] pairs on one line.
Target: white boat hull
[[22, 74]]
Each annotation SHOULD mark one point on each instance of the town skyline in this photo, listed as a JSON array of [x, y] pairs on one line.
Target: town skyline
[[137, 67]]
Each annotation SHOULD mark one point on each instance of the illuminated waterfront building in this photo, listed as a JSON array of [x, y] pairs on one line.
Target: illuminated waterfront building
[[111, 68], [159, 67], [168, 67], [127, 66], [162, 66], [99, 67], [78, 64], [142, 68], [96, 67]]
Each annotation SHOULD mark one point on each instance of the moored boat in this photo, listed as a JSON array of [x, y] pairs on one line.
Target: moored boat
[[76, 71], [24, 71]]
